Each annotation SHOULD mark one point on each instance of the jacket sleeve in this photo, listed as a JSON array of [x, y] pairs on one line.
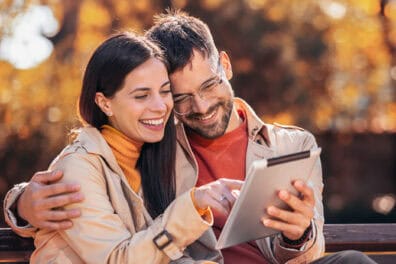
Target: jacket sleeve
[[100, 236], [10, 214], [314, 247]]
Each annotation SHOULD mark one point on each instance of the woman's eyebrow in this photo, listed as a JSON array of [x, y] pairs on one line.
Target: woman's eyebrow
[[139, 89], [144, 89]]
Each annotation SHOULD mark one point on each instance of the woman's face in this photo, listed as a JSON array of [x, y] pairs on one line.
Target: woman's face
[[141, 108]]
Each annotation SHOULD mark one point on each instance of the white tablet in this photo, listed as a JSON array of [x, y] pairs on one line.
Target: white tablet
[[264, 179]]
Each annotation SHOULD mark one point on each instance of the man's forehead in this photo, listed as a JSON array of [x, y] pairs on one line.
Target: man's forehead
[[198, 64]]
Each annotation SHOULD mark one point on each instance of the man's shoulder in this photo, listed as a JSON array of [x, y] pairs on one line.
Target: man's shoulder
[[290, 135], [289, 127]]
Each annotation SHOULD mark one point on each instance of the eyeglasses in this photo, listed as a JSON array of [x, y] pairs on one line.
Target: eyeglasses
[[183, 103]]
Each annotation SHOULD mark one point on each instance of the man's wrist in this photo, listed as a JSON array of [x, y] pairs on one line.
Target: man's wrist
[[19, 218], [298, 243]]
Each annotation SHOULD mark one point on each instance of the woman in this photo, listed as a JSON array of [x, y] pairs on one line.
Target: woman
[[123, 157]]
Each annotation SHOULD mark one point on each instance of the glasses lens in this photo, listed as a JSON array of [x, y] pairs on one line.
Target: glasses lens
[[183, 107], [208, 92]]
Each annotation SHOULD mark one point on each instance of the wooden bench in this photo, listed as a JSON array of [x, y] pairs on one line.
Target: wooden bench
[[376, 240]]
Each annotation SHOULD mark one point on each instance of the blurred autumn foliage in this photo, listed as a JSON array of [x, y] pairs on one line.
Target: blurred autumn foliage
[[328, 66]]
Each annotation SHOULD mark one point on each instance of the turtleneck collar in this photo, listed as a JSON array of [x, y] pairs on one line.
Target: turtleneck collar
[[126, 152]]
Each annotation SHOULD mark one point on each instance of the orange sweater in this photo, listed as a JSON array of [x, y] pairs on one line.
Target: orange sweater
[[225, 157], [126, 152]]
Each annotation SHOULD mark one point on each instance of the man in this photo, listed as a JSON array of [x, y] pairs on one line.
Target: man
[[219, 136]]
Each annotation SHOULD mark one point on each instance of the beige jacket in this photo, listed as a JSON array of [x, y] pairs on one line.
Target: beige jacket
[[265, 141], [115, 227]]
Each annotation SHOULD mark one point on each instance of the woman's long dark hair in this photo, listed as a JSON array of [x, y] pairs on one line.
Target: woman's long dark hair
[[157, 167], [105, 72]]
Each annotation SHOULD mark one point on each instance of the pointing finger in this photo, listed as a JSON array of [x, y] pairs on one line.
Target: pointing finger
[[232, 184]]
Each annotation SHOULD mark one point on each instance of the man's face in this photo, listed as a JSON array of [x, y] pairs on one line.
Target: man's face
[[208, 116]]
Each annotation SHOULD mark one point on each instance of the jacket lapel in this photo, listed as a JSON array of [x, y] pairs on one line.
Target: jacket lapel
[[129, 209]]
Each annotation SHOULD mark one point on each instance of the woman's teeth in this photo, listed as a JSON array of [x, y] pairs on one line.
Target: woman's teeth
[[153, 122]]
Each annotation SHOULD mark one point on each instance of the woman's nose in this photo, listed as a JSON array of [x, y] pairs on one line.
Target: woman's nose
[[158, 103]]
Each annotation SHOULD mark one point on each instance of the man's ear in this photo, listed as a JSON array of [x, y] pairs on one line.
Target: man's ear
[[103, 103], [226, 64]]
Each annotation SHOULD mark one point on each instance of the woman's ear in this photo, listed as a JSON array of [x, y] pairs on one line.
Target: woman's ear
[[226, 64], [103, 103]]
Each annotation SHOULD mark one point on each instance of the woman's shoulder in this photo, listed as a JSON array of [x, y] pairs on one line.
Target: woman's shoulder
[[81, 143], [74, 160]]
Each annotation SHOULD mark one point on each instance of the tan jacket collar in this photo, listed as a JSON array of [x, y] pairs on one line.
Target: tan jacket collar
[[256, 126], [93, 142]]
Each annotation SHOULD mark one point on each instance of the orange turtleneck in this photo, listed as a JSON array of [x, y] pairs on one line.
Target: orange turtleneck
[[126, 152]]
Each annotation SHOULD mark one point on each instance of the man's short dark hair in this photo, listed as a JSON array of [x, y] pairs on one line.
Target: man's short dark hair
[[178, 34]]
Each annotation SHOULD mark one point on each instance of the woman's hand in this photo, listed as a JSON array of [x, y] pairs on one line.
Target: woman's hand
[[219, 195]]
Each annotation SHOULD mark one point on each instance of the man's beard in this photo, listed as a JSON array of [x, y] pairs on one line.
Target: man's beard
[[211, 131]]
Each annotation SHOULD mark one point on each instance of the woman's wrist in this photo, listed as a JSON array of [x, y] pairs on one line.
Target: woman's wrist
[[202, 211]]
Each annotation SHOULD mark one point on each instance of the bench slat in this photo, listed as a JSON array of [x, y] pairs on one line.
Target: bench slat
[[9, 241], [378, 239], [363, 237]]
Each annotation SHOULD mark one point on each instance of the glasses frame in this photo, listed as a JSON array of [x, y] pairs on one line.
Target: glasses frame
[[190, 97]]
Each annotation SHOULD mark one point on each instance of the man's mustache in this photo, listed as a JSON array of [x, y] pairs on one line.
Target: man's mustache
[[199, 115]]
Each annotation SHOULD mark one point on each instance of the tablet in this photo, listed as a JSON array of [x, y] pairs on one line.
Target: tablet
[[264, 179]]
